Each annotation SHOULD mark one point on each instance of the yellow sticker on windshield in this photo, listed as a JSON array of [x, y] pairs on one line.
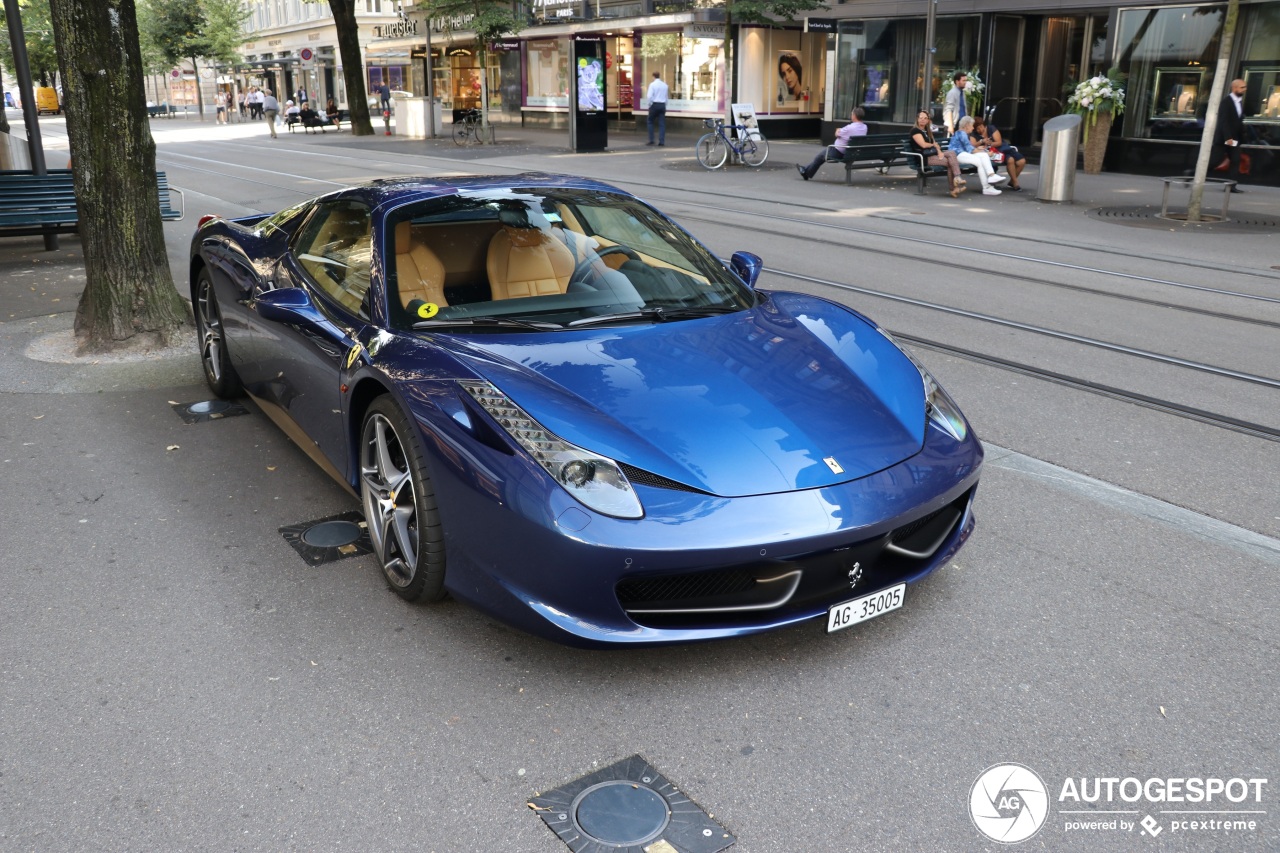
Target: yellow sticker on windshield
[[427, 310]]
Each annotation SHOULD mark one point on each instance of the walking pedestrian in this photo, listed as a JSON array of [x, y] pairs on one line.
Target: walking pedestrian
[[855, 127], [953, 108], [657, 95], [270, 106], [1229, 133], [220, 100], [384, 96]]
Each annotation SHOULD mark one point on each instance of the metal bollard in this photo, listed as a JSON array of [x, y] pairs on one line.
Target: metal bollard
[[1058, 159]]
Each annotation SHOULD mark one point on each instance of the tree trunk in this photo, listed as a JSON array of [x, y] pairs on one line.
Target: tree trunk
[[344, 19], [199, 89], [128, 290], [1211, 111]]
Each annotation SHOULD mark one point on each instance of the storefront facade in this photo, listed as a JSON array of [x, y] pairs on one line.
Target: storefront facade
[[1030, 60]]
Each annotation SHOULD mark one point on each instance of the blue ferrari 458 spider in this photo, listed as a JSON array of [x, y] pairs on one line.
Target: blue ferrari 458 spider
[[556, 405]]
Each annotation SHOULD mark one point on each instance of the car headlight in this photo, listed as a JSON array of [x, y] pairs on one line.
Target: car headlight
[[940, 409], [594, 480]]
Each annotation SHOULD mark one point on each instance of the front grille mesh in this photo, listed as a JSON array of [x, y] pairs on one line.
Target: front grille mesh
[[683, 587], [904, 532]]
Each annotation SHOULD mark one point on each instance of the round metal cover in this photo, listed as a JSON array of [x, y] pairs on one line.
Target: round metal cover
[[621, 813], [208, 407], [332, 534]]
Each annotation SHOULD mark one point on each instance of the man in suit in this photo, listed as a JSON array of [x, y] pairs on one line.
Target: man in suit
[[1230, 131]]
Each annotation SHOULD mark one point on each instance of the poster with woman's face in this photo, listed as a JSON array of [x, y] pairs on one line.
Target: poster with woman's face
[[790, 76]]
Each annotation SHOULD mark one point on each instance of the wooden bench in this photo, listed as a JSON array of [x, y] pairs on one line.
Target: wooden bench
[[876, 151], [38, 204], [924, 171]]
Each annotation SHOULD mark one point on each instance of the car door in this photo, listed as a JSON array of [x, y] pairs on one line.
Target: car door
[[304, 357]]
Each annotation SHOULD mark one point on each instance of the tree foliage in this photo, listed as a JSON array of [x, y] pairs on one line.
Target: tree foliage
[[192, 30], [42, 55]]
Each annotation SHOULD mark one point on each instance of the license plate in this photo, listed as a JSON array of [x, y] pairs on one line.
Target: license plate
[[867, 607]]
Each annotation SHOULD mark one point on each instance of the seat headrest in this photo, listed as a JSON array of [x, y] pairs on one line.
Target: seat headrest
[[404, 236]]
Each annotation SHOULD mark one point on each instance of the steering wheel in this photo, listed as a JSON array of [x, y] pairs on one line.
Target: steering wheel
[[584, 269]]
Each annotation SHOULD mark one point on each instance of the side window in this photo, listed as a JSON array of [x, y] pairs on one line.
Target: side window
[[335, 247]]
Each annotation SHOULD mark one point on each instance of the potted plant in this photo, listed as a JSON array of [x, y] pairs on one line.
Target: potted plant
[[1098, 101]]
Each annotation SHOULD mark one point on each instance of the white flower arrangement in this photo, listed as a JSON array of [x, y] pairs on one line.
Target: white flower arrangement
[[1096, 95]]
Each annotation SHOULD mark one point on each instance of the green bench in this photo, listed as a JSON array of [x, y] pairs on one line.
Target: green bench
[[877, 151], [38, 204], [881, 151], [924, 171]]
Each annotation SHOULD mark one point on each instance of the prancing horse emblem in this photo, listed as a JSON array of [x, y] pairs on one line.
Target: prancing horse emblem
[[833, 464], [855, 575]]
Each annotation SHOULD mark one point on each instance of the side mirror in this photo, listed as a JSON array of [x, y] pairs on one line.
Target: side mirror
[[285, 305], [747, 266]]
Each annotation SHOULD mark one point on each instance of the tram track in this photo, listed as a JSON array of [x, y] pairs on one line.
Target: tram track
[[1222, 421], [1084, 340]]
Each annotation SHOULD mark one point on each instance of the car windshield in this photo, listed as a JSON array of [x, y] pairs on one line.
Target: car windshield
[[549, 258]]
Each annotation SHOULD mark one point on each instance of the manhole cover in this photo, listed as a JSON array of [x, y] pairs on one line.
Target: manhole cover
[[208, 407], [621, 813], [328, 539], [332, 534], [207, 410], [628, 807]]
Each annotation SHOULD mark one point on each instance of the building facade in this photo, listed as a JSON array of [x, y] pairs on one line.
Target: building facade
[[1030, 55]]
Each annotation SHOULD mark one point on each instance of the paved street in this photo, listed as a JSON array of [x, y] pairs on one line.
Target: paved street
[[173, 676]]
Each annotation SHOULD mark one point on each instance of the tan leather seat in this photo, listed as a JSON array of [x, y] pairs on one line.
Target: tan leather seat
[[527, 261], [419, 273]]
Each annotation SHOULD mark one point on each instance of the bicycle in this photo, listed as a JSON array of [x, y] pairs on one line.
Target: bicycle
[[469, 129], [713, 148]]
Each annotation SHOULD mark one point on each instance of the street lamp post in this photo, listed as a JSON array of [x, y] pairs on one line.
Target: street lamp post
[[22, 68]]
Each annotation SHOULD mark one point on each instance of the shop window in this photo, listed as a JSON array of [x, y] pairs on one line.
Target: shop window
[[547, 66], [1168, 55]]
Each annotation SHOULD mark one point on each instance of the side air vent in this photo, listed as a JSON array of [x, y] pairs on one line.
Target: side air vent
[[645, 478]]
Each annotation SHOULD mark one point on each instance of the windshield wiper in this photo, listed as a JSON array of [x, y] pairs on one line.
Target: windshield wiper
[[657, 312], [489, 322]]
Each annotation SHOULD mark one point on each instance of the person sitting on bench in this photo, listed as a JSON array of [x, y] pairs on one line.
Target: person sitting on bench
[[310, 118], [855, 127], [923, 142], [331, 110]]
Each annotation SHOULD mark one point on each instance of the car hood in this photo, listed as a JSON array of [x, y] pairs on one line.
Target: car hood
[[796, 393]]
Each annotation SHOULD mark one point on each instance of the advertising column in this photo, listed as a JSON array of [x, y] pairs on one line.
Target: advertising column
[[588, 121]]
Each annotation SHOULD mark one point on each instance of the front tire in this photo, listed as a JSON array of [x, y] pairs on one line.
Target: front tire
[[461, 132], [211, 337], [712, 151], [400, 505], [755, 152]]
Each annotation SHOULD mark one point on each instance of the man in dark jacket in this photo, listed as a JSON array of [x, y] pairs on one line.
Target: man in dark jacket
[[1230, 132]]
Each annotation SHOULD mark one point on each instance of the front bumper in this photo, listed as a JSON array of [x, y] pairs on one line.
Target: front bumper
[[521, 548]]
